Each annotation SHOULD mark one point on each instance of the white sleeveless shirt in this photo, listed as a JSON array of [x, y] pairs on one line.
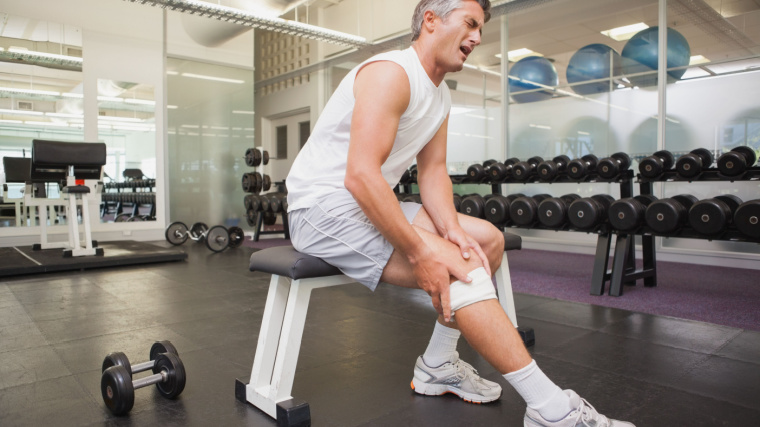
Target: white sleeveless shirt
[[320, 167]]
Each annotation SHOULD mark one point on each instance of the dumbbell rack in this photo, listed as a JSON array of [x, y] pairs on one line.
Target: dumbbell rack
[[258, 228], [624, 250], [623, 264]]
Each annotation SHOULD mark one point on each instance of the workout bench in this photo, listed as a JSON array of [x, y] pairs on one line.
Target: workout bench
[[294, 276], [79, 165]]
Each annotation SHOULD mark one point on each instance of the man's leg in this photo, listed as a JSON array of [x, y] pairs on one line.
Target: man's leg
[[490, 332]]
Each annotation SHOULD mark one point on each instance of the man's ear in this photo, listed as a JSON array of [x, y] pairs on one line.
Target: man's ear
[[429, 21]]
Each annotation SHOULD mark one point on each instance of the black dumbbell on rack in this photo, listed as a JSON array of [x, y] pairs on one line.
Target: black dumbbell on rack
[[736, 161], [477, 172], [549, 169], [653, 166], [475, 205], [747, 218], [523, 211], [118, 387], [589, 212], [579, 168], [497, 208], [628, 214], [500, 171], [692, 164], [611, 167], [523, 171], [712, 217], [666, 216], [552, 212]]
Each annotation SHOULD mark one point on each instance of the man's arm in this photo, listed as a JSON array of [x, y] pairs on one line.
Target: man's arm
[[438, 195], [382, 94]]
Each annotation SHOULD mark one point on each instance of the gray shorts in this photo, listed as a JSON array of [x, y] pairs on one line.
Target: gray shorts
[[336, 230]]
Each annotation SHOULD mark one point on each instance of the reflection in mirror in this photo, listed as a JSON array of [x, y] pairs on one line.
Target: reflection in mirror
[[126, 123], [40, 98]]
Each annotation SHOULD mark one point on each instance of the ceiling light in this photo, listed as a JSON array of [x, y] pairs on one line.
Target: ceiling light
[[72, 95], [246, 18], [110, 98], [139, 101], [20, 113], [242, 112], [216, 79], [64, 115], [698, 59], [30, 53], [29, 91], [626, 32], [171, 107], [28, 122], [171, 73], [10, 121], [119, 119], [518, 54]]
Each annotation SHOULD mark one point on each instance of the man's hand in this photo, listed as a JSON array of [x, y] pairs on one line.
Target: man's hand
[[434, 277], [467, 245]]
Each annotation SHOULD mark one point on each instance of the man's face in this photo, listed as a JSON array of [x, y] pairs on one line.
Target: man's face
[[459, 34]]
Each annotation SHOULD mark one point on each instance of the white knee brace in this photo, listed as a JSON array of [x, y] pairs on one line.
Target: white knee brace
[[480, 289]]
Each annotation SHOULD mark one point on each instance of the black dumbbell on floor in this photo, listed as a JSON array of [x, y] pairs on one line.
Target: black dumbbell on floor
[[654, 165], [118, 388], [668, 215], [579, 168], [611, 167], [692, 164], [589, 212], [549, 169], [628, 214], [712, 216], [736, 161], [747, 218], [552, 212]]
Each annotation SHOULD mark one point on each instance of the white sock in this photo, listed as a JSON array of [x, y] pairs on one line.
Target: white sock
[[540, 393], [443, 344]]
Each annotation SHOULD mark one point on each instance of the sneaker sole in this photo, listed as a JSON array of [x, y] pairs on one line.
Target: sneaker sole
[[426, 389]]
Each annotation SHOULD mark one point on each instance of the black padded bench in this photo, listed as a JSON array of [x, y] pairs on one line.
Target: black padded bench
[[294, 276]]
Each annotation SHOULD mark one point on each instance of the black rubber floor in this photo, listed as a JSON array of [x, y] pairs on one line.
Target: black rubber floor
[[357, 357]]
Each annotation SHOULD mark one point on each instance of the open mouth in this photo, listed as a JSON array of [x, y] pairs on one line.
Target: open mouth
[[466, 50]]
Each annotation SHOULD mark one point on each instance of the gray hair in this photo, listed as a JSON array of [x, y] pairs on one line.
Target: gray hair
[[442, 9]]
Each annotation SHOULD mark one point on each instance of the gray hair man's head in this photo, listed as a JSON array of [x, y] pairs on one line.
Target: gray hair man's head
[[442, 9]]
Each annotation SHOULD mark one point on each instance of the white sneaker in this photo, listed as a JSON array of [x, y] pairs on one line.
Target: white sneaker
[[584, 415], [455, 376]]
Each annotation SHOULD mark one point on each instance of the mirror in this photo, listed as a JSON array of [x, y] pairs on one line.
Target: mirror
[[40, 96], [126, 123]]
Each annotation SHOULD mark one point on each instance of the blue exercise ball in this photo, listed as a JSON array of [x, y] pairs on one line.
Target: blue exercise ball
[[593, 62], [531, 70], [640, 55]]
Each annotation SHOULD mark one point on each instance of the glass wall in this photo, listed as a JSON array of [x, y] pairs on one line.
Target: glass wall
[[211, 124]]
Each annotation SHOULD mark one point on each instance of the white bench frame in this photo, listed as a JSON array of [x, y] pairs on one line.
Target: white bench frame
[[279, 344]]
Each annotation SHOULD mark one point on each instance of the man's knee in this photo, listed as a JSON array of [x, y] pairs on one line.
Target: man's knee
[[494, 247], [479, 289]]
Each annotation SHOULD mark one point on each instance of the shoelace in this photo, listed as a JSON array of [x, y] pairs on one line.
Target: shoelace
[[462, 368], [589, 417]]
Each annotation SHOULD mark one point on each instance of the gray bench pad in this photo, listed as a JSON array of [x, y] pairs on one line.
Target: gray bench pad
[[286, 261]]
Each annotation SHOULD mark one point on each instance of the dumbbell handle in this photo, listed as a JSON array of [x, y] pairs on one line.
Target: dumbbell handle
[[142, 367], [149, 380]]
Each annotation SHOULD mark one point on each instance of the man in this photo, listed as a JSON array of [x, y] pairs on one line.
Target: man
[[387, 111]]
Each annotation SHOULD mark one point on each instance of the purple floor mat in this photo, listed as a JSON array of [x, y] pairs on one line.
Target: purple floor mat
[[720, 295]]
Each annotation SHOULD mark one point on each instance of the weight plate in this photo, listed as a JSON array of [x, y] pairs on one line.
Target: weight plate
[[547, 170], [116, 388], [498, 171], [258, 182], [646, 199], [605, 199], [473, 206], [608, 168], [689, 165], [175, 374], [250, 217], [135, 219], [475, 172], [732, 201], [236, 236], [116, 358], [585, 213], [732, 163], [651, 167], [198, 231], [561, 161], [665, 216], [176, 233], [488, 163], [748, 153], [523, 211], [709, 217], [576, 169], [522, 171], [747, 218], [159, 347], [535, 160], [592, 161], [511, 161], [569, 198], [217, 238], [265, 157], [626, 214], [122, 217], [497, 210], [270, 218], [513, 197], [552, 212], [624, 159], [705, 156], [266, 183], [247, 201], [687, 200]]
